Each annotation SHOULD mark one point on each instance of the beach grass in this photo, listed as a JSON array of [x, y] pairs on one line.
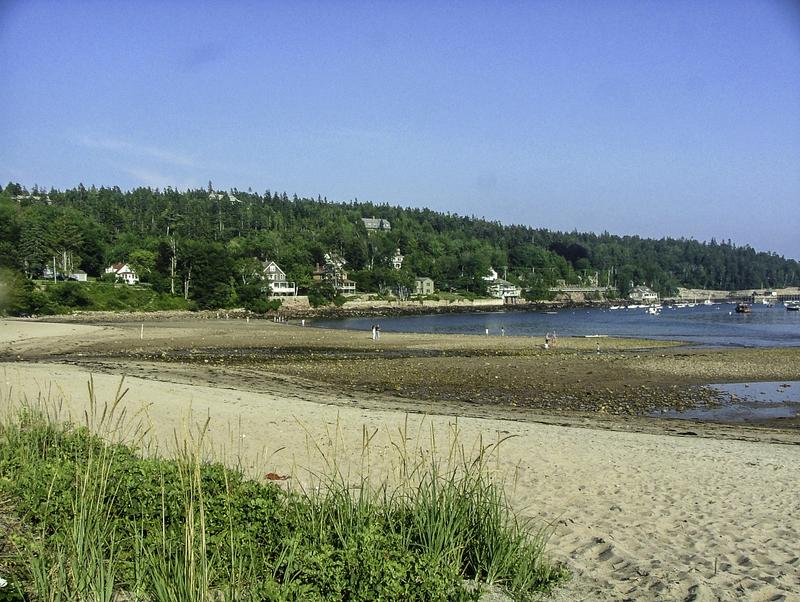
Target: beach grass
[[88, 512]]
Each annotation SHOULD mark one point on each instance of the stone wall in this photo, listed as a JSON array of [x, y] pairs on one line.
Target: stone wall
[[294, 303], [362, 304]]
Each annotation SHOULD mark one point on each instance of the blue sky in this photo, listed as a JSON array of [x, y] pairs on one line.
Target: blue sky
[[677, 118]]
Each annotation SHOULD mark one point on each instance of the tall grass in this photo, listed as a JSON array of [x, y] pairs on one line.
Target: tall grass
[[96, 521]]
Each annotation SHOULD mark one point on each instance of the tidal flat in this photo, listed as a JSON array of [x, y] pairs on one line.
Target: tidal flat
[[606, 381]]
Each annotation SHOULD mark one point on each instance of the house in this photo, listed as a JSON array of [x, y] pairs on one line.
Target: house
[[376, 223], [277, 284], [505, 290], [122, 271], [79, 275], [423, 286], [643, 294], [397, 260], [333, 273], [50, 273], [218, 196], [501, 289], [491, 276]]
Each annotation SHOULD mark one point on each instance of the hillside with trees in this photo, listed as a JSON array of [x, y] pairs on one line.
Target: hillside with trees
[[205, 247]]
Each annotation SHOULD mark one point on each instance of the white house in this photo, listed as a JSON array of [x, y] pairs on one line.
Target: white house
[[397, 260], [503, 289], [643, 294], [276, 279], [122, 271], [79, 275], [423, 286], [491, 276], [50, 273]]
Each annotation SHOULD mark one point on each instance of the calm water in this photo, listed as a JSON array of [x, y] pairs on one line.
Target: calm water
[[752, 402], [715, 325]]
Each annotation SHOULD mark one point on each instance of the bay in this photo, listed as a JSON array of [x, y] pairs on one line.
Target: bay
[[716, 325]]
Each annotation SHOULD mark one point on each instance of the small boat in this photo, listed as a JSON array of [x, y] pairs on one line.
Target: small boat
[[792, 305], [743, 308]]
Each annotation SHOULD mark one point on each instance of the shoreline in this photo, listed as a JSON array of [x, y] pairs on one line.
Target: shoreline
[[327, 312], [639, 509]]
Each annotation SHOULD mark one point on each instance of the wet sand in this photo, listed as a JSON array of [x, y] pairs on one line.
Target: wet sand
[[641, 509]]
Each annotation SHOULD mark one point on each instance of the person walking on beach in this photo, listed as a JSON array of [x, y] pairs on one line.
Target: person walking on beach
[[377, 332], [374, 332]]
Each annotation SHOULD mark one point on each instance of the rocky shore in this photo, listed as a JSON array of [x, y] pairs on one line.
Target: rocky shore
[[326, 312]]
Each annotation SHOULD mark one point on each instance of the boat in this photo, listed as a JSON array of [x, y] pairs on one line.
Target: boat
[[792, 305], [743, 308], [653, 310]]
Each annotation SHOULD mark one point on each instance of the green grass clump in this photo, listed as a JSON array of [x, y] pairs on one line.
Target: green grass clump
[[94, 519]]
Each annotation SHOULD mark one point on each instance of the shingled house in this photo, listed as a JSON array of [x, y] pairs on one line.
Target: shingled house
[[333, 273], [278, 285], [373, 224]]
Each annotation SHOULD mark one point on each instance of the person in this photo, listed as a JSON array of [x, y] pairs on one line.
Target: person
[[598, 347], [377, 332], [374, 332], [502, 331]]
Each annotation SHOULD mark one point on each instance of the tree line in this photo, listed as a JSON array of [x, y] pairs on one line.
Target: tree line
[[207, 245]]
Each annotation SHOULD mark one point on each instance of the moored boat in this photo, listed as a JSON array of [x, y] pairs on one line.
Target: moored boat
[[743, 308]]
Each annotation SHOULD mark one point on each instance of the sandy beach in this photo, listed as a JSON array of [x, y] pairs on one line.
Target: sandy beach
[[640, 509]]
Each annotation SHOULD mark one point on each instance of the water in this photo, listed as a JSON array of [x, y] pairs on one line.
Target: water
[[750, 402], [715, 325]]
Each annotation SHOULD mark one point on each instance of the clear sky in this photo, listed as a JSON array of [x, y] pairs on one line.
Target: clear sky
[[678, 118]]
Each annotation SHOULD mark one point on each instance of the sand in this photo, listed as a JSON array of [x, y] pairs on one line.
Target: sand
[[635, 515]]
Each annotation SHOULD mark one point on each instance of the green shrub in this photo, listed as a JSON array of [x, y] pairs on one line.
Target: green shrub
[[320, 294], [262, 305], [101, 520]]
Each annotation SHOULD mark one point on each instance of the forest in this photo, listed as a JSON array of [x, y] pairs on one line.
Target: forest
[[206, 247]]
